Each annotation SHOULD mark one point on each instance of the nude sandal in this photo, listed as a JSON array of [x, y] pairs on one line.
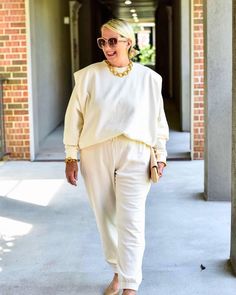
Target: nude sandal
[[110, 291]]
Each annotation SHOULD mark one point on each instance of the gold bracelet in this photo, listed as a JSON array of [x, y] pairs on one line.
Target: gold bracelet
[[70, 160]]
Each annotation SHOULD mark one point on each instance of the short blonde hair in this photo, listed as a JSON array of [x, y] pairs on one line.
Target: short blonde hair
[[124, 29]]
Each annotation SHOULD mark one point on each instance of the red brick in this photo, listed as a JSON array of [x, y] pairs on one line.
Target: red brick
[[20, 49], [18, 25], [18, 37], [19, 75], [20, 112], [13, 69], [12, 18], [13, 60], [8, 124], [12, 56], [21, 125], [9, 137], [198, 80], [4, 25], [20, 87], [22, 136], [6, 100], [11, 5], [11, 1], [12, 31], [4, 50], [17, 12], [20, 99], [12, 43], [4, 12], [19, 62], [5, 62]]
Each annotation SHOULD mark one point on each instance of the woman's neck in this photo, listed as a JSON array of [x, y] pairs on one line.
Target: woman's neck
[[120, 63]]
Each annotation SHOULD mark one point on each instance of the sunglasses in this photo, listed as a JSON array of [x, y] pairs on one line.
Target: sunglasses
[[112, 42]]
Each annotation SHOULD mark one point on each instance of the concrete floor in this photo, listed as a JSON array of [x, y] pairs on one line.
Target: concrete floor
[[52, 148], [50, 245]]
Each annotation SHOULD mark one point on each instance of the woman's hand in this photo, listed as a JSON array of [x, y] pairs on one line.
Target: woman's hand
[[161, 167], [72, 172]]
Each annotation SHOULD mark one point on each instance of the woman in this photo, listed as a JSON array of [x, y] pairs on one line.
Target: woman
[[114, 116]]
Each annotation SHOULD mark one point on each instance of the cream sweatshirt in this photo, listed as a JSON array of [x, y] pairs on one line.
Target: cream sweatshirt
[[103, 106]]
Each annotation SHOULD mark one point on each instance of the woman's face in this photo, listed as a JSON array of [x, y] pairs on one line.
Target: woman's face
[[117, 55]]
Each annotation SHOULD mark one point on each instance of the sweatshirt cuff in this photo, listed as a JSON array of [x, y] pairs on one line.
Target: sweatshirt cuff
[[161, 152], [161, 158], [71, 151]]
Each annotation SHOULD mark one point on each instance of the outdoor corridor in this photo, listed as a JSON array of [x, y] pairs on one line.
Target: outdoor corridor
[[50, 245]]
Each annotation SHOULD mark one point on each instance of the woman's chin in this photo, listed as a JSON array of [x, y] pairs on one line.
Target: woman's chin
[[111, 58]]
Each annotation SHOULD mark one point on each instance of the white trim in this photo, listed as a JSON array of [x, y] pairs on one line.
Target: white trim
[[29, 79], [191, 78]]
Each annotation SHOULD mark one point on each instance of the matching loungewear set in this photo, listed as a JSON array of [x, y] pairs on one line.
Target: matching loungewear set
[[112, 122]]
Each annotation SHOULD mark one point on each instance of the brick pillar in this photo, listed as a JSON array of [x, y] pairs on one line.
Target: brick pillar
[[13, 66], [198, 80]]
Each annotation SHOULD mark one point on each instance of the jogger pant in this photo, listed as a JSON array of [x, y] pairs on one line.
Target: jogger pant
[[116, 175]]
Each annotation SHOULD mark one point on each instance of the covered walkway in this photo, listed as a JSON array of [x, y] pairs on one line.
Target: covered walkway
[[50, 245]]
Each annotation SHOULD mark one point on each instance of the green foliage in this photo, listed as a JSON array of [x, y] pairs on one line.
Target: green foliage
[[146, 55]]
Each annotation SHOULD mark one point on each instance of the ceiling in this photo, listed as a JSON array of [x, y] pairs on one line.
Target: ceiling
[[145, 9]]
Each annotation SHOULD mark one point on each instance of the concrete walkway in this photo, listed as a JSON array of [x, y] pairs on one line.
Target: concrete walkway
[[50, 245]]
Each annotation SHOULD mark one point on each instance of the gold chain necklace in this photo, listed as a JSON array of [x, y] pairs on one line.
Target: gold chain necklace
[[116, 73]]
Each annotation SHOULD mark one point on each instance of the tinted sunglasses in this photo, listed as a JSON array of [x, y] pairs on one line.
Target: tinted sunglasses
[[112, 42]]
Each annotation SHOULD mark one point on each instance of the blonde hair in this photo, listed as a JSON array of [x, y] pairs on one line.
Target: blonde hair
[[124, 29]]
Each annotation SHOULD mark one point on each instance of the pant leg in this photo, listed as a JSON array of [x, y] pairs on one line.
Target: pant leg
[[119, 202], [132, 187], [97, 169]]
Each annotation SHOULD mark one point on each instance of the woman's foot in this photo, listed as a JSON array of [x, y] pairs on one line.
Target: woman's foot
[[113, 288], [129, 292]]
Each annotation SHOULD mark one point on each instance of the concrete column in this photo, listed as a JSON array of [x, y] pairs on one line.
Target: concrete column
[[181, 60], [233, 222], [185, 65], [218, 98]]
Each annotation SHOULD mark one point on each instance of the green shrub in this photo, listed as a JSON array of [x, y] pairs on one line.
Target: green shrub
[[146, 55]]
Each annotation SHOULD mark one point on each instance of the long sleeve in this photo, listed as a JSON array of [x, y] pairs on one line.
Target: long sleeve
[[103, 106], [162, 133], [73, 126]]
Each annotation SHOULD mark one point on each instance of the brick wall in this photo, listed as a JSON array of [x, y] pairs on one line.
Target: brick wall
[[198, 81], [13, 66]]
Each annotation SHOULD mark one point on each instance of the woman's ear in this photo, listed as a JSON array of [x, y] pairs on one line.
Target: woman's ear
[[129, 43]]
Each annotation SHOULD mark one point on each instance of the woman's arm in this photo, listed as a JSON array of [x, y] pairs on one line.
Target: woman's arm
[[72, 129], [162, 135]]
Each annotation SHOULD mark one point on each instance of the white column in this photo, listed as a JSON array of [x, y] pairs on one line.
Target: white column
[[185, 65], [218, 98], [233, 222]]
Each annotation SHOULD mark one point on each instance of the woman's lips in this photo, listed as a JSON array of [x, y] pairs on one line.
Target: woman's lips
[[110, 54]]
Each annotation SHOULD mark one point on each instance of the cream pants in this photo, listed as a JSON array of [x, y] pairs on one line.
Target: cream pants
[[116, 175]]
